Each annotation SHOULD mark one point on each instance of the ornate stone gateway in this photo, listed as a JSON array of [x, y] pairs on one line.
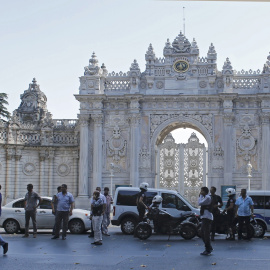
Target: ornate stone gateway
[[124, 117], [183, 166]]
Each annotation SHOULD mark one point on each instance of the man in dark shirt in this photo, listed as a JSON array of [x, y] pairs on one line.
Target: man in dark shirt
[[216, 203], [3, 243]]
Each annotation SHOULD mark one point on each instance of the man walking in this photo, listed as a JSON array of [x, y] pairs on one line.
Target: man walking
[[54, 207], [65, 205], [97, 211], [30, 206], [106, 217], [216, 203], [243, 206], [3, 243], [205, 202]]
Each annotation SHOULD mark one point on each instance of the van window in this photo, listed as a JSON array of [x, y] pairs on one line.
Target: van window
[[259, 202], [267, 202], [172, 201], [129, 197]]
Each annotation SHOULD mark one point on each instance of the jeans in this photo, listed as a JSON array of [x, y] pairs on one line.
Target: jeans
[[2, 241], [61, 216], [106, 222], [30, 214], [242, 220], [206, 229], [97, 220]]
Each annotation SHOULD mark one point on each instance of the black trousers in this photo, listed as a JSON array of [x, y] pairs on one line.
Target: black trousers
[[214, 223], [141, 213], [30, 214], [61, 216], [241, 221], [206, 229]]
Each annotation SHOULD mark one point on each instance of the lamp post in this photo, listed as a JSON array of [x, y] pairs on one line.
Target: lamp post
[[112, 175], [249, 170]]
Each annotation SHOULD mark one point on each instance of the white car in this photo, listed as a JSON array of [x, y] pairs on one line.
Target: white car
[[13, 217]]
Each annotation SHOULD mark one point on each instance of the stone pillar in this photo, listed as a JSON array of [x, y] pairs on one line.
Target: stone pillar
[[10, 153], [51, 190], [75, 172], [228, 148], [265, 121], [42, 157], [134, 149], [157, 170], [83, 164], [17, 183], [97, 151]]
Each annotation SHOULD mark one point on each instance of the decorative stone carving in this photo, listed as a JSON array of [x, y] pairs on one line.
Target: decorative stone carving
[[63, 169], [218, 160], [159, 84], [181, 44], [144, 158], [203, 84], [29, 166]]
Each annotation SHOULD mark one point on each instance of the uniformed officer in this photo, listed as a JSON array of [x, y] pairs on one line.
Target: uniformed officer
[[141, 201], [230, 209]]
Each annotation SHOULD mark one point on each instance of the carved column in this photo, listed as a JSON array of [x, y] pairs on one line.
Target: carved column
[[17, 185], [83, 164], [51, 191], [10, 154], [228, 148], [75, 171], [265, 120], [157, 171], [42, 157], [134, 149], [97, 151]]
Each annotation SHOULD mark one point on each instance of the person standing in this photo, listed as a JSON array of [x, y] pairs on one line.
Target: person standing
[[141, 201], [54, 207], [243, 206], [97, 212], [106, 217], [230, 209], [205, 202], [30, 206], [65, 205], [3, 243], [216, 204]]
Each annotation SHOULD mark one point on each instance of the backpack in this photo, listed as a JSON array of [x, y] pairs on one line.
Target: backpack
[[97, 207]]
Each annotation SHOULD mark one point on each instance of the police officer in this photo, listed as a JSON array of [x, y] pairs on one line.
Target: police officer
[[141, 201], [230, 209]]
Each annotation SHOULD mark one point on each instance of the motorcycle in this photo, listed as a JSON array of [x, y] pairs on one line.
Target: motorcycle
[[164, 223], [222, 227]]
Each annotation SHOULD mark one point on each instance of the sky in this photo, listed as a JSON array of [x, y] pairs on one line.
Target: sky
[[53, 40]]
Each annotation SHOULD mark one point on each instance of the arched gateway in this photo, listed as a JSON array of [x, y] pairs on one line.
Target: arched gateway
[[125, 116]]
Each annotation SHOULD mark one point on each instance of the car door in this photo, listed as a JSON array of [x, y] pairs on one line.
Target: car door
[[45, 218], [172, 204], [267, 212], [17, 212]]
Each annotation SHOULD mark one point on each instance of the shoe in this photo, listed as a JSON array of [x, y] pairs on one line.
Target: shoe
[[5, 247], [25, 236], [106, 234], [64, 238], [211, 249], [99, 243], [205, 253], [34, 236], [55, 237], [94, 243]]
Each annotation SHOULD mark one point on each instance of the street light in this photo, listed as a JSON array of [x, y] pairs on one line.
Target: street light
[[249, 171], [112, 175]]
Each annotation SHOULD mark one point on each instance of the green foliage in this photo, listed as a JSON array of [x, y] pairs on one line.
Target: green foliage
[[4, 113]]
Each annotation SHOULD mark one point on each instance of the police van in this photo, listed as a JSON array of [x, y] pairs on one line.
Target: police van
[[125, 212], [261, 200]]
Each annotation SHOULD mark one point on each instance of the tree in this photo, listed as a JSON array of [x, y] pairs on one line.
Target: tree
[[4, 113]]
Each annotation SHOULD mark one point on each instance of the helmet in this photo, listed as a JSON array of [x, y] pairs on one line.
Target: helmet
[[157, 199], [144, 186], [230, 191]]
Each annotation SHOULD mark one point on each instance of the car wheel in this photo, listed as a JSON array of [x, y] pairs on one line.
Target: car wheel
[[128, 225], [76, 226], [259, 229], [11, 226]]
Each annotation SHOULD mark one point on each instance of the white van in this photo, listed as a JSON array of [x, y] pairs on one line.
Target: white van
[[261, 200], [125, 209]]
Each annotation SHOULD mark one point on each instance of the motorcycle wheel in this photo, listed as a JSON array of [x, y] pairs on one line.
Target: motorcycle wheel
[[188, 231], [143, 231], [248, 234]]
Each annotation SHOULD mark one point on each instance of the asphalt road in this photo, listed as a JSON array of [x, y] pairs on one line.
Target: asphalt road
[[126, 252]]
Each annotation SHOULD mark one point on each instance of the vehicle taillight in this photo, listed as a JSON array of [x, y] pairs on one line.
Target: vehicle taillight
[[114, 211]]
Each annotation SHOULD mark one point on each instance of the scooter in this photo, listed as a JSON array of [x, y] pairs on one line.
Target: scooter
[[165, 223]]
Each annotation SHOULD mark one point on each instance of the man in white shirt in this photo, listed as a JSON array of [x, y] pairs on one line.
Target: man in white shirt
[[205, 202]]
